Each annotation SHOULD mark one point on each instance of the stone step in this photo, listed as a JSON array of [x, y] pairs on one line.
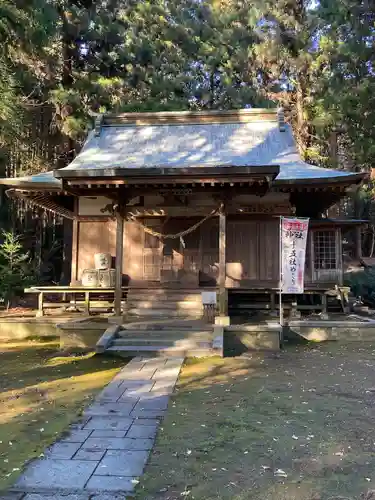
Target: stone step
[[160, 350], [261, 327], [142, 342], [166, 340], [153, 334]]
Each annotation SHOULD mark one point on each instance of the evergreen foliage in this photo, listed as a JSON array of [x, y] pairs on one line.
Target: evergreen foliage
[[15, 271], [64, 61]]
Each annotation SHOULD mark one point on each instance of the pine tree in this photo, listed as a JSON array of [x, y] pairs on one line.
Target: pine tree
[[345, 80], [14, 267]]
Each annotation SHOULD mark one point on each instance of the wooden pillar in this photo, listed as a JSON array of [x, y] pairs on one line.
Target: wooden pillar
[[75, 249], [40, 305], [273, 304], [358, 233], [87, 303], [339, 263], [75, 245], [324, 301], [119, 259], [294, 312], [223, 299]]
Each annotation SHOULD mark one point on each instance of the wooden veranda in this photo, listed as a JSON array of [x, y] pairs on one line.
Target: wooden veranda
[[144, 180]]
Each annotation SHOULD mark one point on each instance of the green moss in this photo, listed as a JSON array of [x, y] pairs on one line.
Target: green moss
[[41, 394]]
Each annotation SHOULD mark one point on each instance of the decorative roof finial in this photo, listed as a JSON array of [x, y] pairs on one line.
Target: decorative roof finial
[[281, 119]]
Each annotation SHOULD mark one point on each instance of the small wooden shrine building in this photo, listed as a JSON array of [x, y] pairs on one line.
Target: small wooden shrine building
[[212, 183]]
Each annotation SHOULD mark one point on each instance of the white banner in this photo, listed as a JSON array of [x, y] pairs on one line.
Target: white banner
[[293, 253]]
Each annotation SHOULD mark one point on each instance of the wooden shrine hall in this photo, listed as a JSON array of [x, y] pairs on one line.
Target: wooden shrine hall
[[190, 201]]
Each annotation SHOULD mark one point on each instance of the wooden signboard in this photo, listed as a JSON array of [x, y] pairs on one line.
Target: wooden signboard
[[267, 209]]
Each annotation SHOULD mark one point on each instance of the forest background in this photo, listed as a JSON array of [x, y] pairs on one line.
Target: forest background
[[64, 61]]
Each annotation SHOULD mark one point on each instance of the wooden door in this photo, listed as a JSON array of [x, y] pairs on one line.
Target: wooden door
[[209, 251], [242, 252], [190, 247], [152, 252], [252, 253]]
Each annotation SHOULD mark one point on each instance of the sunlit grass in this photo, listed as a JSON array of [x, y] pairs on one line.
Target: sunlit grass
[[295, 426], [40, 396]]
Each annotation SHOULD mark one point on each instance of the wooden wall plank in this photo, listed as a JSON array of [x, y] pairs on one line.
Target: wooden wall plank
[[93, 237], [242, 251], [75, 246], [209, 251], [269, 248], [223, 301], [119, 261], [133, 249]]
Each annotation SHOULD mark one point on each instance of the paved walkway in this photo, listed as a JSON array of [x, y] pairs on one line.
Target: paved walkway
[[104, 455]]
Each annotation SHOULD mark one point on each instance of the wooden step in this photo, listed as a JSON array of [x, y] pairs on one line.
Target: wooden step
[[156, 296], [147, 304], [164, 313], [139, 348], [164, 300], [170, 290], [169, 325]]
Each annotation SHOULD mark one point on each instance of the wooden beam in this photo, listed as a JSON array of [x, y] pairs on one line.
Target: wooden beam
[[119, 260], [223, 302], [84, 182], [75, 250], [358, 231], [339, 262]]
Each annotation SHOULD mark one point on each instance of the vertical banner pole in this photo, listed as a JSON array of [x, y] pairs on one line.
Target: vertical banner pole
[[281, 312]]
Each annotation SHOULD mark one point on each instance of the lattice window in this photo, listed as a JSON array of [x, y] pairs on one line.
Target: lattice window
[[325, 256]]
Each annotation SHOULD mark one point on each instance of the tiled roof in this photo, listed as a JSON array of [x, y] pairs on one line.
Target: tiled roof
[[258, 143], [179, 140]]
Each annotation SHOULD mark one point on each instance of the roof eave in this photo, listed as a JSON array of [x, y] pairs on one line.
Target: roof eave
[[340, 179], [29, 186], [196, 171]]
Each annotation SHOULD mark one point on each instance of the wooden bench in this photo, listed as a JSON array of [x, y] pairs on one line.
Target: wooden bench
[[78, 296]]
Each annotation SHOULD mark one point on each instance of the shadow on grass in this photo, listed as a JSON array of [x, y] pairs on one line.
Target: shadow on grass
[[40, 396], [41, 362], [293, 427]]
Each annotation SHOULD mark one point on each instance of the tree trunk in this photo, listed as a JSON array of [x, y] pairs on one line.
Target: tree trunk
[[302, 127], [333, 149]]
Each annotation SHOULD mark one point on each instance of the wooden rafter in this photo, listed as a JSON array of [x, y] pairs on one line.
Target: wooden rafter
[[42, 200]]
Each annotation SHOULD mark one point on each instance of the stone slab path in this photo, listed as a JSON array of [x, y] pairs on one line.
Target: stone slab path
[[104, 454]]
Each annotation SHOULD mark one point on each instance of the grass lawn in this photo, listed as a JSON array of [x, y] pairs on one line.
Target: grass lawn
[[299, 425], [40, 395]]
